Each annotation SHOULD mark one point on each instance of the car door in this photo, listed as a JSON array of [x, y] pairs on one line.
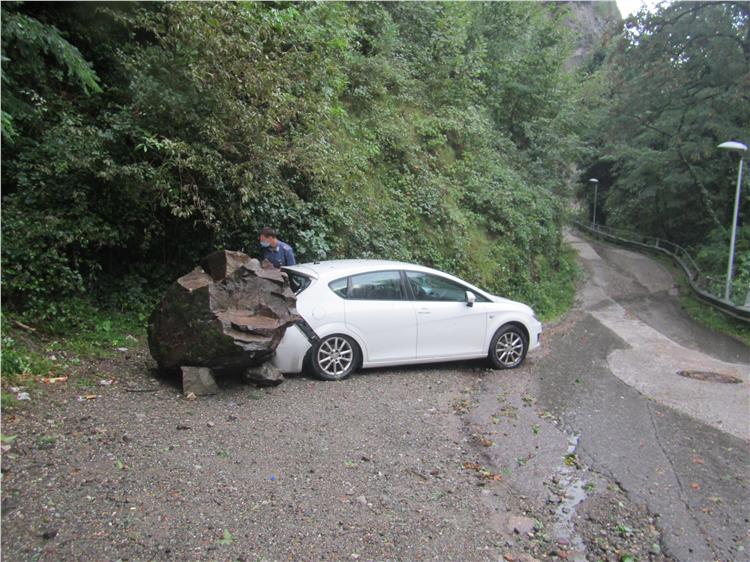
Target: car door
[[378, 311], [446, 326]]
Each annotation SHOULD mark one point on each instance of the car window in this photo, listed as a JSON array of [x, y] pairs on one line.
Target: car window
[[297, 281], [427, 287], [340, 286], [376, 286]]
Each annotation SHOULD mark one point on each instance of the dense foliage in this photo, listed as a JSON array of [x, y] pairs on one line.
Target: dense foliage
[[676, 84], [138, 137]]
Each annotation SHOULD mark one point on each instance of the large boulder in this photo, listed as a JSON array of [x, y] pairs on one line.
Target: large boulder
[[227, 315]]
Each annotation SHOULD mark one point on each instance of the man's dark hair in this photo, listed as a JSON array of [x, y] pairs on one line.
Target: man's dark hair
[[268, 231]]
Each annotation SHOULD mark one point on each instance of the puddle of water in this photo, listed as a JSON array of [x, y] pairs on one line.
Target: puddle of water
[[574, 494]]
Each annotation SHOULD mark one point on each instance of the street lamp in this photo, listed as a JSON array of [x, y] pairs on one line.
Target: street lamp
[[741, 148], [596, 193]]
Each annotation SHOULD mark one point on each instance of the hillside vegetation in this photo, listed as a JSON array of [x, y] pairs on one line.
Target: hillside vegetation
[[139, 137]]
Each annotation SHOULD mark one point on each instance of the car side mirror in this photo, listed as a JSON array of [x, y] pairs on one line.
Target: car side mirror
[[470, 298]]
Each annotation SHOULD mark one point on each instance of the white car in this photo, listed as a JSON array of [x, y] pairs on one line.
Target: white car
[[372, 313]]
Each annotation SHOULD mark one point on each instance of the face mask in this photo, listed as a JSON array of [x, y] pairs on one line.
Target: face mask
[[265, 244]]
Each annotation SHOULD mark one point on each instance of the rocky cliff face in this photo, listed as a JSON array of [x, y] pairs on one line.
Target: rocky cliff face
[[591, 21]]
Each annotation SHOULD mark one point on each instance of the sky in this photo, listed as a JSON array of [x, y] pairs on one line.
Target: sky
[[628, 7]]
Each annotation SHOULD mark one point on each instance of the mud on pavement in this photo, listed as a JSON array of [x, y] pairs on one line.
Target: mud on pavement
[[564, 509]]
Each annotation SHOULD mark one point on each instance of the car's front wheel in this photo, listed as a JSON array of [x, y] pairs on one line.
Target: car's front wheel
[[508, 347], [334, 357]]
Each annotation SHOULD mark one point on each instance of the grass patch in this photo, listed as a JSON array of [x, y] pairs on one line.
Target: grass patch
[[703, 313], [7, 400], [712, 318], [26, 355], [556, 289]]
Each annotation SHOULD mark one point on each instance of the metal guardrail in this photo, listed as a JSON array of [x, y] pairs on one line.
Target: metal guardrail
[[699, 283]]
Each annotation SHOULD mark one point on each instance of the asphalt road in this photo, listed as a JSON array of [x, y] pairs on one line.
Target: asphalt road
[[678, 446]]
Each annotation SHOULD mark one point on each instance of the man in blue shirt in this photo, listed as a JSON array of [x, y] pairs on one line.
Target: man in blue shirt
[[274, 250]]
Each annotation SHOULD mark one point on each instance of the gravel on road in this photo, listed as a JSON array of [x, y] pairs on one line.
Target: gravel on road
[[370, 468]]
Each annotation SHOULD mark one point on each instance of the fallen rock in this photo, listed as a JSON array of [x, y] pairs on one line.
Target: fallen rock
[[198, 381], [520, 525], [227, 315], [264, 375], [49, 534]]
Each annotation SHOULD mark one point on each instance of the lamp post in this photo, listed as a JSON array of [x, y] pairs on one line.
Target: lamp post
[[741, 148], [596, 193]]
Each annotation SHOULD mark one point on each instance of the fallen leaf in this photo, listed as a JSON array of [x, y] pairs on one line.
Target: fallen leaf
[[53, 380], [697, 460], [571, 459], [226, 538], [486, 442], [695, 486]]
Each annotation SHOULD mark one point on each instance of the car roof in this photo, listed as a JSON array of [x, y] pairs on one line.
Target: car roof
[[333, 269]]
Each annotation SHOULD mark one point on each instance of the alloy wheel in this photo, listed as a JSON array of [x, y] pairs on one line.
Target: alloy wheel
[[335, 356], [509, 349]]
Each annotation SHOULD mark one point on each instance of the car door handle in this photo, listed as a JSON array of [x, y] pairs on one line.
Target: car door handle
[[423, 311]]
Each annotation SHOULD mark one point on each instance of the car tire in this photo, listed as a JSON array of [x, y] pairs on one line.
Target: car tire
[[508, 347], [334, 357]]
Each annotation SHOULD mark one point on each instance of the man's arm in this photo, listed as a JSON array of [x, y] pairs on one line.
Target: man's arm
[[289, 256]]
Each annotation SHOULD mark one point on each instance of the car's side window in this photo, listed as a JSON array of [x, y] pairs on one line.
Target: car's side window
[[340, 286], [427, 287], [376, 286]]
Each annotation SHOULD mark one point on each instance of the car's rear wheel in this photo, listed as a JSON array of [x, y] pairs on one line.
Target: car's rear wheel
[[508, 347], [334, 357]]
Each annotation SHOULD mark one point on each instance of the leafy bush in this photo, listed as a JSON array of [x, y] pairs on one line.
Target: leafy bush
[[13, 362]]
